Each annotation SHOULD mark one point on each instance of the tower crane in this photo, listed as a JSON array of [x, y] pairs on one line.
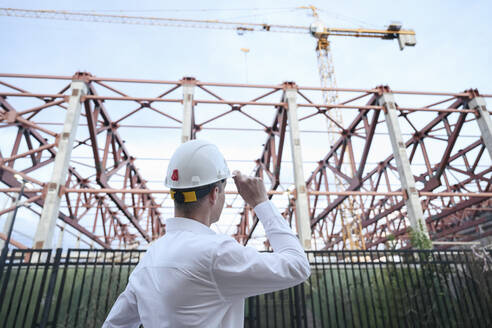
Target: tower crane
[[394, 31], [350, 216]]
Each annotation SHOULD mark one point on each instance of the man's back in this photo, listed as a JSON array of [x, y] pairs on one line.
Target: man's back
[[192, 277], [177, 278]]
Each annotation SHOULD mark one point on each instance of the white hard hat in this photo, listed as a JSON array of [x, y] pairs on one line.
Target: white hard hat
[[196, 163]]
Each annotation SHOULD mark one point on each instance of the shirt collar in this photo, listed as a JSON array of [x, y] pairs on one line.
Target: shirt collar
[[178, 224]]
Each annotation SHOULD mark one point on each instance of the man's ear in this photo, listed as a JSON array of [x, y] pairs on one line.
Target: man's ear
[[214, 195]]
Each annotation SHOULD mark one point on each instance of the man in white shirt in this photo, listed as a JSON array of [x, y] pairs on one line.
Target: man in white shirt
[[193, 277]]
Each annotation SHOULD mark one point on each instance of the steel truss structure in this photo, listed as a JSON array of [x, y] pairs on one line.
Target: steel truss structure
[[446, 139]]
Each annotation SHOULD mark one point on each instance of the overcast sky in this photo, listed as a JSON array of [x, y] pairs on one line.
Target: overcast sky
[[452, 53], [453, 50]]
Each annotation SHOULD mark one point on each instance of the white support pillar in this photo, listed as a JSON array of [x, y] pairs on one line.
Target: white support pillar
[[302, 209], [8, 220], [187, 128], [46, 226], [411, 196], [483, 120]]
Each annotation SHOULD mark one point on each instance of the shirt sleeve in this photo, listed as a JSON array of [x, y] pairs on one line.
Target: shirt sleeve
[[124, 312], [241, 271]]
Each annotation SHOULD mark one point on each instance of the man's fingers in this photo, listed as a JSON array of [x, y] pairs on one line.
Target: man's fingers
[[236, 175], [238, 179]]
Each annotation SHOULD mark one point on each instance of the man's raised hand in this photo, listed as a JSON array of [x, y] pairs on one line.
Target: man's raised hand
[[251, 189]]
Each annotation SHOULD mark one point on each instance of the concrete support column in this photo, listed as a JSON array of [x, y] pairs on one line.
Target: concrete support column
[[483, 120], [8, 220], [302, 208], [187, 127], [46, 226], [411, 196]]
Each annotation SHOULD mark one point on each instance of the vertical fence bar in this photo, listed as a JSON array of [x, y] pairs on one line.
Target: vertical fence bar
[[414, 272], [282, 297], [257, 311], [354, 282], [81, 291], [75, 272], [47, 256], [350, 300], [340, 284], [101, 277], [6, 277], [448, 300], [428, 267], [412, 292], [304, 306], [325, 288], [61, 290], [383, 274], [393, 288], [26, 277], [369, 284], [14, 288], [292, 318], [457, 305], [458, 265], [31, 290], [51, 289], [91, 286], [316, 271], [478, 305], [110, 278], [297, 307], [311, 294], [362, 287], [325, 285], [441, 300]]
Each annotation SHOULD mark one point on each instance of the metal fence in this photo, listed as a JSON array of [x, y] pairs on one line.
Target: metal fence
[[44, 288]]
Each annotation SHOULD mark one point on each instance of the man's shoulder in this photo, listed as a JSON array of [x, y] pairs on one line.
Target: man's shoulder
[[207, 243]]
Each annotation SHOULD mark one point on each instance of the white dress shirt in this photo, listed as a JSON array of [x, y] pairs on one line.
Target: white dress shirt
[[193, 277]]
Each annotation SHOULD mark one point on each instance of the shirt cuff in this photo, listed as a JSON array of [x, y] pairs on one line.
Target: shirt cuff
[[270, 217], [265, 209]]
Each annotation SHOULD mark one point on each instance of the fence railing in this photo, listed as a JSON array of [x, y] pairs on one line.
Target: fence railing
[[44, 288]]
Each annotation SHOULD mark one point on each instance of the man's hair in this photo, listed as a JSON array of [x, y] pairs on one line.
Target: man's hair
[[189, 207]]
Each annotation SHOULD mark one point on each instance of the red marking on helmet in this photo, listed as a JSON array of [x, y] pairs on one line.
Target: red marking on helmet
[[175, 176]]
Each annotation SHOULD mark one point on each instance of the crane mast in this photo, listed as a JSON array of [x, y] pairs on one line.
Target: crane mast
[[351, 225]]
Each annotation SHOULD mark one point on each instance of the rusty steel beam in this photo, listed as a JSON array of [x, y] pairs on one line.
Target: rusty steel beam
[[268, 165], [340, 146], [7, 172], [431, 182], [115, 148], [448, 184], [29, 132]]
